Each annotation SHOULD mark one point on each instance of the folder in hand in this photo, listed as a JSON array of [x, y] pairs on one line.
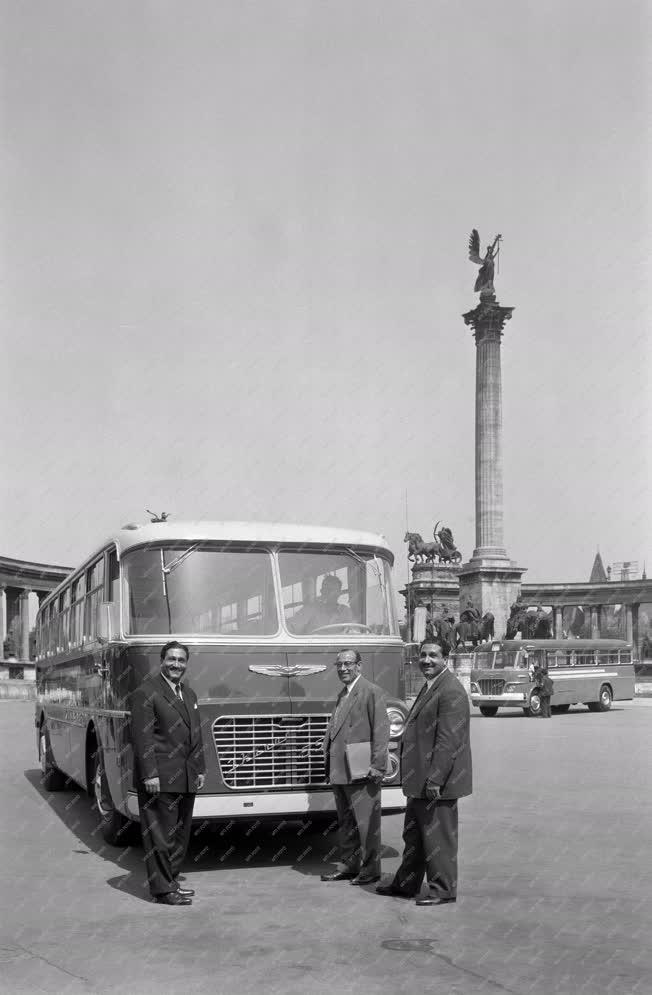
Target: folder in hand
[[358, 760]]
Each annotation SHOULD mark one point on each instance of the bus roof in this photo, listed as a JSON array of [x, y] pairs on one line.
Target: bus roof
[[137, 534], [274, 533], [552, 644]]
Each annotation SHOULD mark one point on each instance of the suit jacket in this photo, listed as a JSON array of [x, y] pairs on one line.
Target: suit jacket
[[166, 736], [361, 719], [436, 748]]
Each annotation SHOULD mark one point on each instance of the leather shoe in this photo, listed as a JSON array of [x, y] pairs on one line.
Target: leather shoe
[[188, 892], [434, 901], [360, 880], [388, 890], [339, 876], [173, 898]]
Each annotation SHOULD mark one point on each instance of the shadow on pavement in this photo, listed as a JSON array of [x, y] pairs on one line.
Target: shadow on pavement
[[309, 847]]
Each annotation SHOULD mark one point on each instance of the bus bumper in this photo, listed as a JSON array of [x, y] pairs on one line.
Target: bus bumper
[[282, 804], [513, 698]]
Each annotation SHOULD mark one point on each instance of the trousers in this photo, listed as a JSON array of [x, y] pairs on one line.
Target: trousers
[[165, 822], [545, 707], [430, 837], [358, 817]]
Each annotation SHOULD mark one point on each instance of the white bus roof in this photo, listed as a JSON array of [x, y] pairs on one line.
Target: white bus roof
[[273, 533]]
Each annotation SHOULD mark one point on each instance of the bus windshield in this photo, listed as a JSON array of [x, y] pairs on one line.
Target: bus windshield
[[325, 589], [515, 659], [205, 589], [199, 589]]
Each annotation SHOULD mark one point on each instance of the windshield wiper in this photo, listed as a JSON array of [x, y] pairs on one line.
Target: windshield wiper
[[179, 560]]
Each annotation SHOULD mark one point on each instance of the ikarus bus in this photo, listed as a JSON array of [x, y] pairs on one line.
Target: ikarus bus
[[592, 672], [264, 609]]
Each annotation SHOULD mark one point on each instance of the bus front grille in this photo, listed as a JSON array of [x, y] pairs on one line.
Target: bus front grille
[[270, 751], [491, 686]]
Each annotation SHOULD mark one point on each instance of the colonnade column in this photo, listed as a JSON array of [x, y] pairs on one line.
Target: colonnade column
[[559, 623], [3, 627], [595, 623], [24, 625]]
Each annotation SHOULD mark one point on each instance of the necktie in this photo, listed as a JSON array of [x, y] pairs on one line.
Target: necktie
[[178, 690], [339, 707]]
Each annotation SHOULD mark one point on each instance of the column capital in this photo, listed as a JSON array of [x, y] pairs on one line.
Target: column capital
[[488, 319]]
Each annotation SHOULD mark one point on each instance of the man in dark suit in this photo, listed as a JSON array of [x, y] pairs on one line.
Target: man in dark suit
[[360, 716], [168, 770], [436, 771]]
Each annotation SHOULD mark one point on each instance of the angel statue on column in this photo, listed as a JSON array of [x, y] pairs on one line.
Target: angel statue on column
[[485, 281]]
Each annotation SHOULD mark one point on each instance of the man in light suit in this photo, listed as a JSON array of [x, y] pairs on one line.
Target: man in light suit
[[436, 771], [168, 770], [360, 716]]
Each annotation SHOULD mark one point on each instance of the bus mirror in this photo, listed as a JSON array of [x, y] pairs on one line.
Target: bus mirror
[[107, 621], [419, 624]]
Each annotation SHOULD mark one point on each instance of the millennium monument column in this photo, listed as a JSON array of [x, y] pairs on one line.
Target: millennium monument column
[[489, 579]]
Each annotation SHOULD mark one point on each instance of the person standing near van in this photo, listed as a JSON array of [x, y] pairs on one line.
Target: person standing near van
[[543, 686]]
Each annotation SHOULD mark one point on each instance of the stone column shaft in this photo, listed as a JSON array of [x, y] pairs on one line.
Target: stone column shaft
[[3, 627], [24, 626], [488, 447], [595, 623], [559, 623]]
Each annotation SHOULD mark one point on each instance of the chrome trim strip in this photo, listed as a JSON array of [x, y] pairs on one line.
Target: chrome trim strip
[[281, 803]]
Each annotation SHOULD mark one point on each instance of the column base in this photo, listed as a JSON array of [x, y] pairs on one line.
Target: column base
[[493, 583]]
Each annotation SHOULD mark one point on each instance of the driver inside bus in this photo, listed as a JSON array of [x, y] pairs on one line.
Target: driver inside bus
[[324, 610]]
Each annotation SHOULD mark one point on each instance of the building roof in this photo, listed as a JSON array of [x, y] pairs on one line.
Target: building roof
[[598, 572]]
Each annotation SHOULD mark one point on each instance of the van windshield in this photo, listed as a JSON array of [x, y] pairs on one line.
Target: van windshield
[[199, 589]]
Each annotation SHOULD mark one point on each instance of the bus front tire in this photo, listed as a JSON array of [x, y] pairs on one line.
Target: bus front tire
[[603, 704], [52, 778], [489, 710], [117, 830]]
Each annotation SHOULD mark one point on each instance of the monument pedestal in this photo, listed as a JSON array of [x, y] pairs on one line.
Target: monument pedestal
[[493, 584]]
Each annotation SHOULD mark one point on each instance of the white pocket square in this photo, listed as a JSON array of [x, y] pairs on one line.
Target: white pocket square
[[195, 705]]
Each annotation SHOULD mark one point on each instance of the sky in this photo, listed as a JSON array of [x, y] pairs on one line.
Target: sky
[[234, 264]]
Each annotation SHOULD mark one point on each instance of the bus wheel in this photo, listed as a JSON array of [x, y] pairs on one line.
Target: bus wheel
[[559, 709], [116, 829], [489, 710], [535, 706], [603, 704], [52, 778]]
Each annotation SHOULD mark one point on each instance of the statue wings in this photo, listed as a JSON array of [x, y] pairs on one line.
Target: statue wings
[[474, 248]]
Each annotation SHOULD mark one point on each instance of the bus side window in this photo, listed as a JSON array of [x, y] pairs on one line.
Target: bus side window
[[113, 576]]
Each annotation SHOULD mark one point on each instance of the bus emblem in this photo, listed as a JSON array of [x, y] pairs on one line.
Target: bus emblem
[[287, 669]]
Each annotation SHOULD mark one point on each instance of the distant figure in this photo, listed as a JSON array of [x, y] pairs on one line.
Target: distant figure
[[322, 612], [543, 686]]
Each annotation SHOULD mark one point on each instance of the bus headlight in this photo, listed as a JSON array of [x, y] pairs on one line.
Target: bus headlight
[[474, 688], [396, 722], [513, 687]]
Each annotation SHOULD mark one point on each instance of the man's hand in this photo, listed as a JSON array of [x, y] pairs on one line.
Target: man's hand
[[152, 785], [433, 792], [199, 781], [375, 776]]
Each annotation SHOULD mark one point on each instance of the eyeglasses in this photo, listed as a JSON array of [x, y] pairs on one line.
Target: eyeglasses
[[346, 666]]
